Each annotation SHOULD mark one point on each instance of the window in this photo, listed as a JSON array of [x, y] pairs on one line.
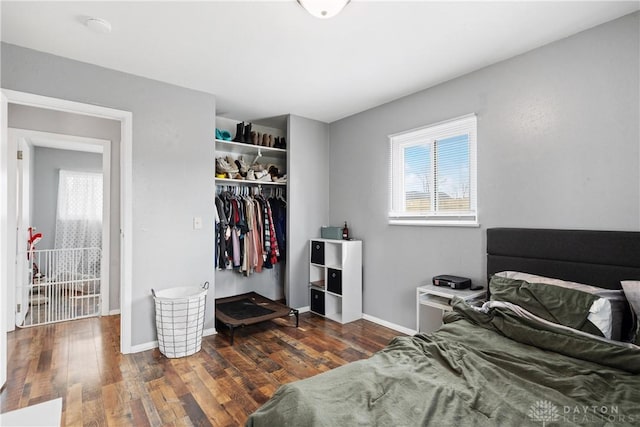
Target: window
[[79, 196], [79, 221], [433, 174]]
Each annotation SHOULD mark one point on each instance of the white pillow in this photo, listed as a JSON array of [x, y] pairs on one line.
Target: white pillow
[[605, 313], [601, 316]]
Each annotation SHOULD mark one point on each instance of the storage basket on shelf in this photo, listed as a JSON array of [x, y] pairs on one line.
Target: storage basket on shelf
[[180, 319]]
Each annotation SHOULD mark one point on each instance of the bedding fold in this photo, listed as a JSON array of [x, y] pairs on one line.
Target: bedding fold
[[519, 325], [479, 369]]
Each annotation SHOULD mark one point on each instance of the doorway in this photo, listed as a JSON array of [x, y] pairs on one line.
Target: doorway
[[63, 225], [7, 240]]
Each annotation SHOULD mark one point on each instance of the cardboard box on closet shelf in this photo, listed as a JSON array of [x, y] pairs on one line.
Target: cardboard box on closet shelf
[[331, 233]]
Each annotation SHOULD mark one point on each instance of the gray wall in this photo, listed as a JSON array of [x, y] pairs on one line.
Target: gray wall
[[558, 147], [47, 163], [308, 199], [173, 166], [44, 120]]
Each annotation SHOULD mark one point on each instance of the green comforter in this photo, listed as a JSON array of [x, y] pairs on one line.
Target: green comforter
[[479, 369]]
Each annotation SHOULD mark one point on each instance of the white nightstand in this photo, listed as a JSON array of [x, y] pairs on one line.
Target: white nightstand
[[432, 301]]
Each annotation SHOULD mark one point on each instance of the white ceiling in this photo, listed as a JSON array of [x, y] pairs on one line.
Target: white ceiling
[[268, 58]]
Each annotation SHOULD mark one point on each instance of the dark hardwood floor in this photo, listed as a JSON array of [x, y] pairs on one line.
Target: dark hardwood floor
[[221, 385]]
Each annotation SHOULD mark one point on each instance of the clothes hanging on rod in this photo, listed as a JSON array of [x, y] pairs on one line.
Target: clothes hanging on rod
[[250, 229], [279, 214]]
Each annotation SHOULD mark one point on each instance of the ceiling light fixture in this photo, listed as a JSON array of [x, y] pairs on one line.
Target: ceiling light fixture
[[323, 8], [98, 25]]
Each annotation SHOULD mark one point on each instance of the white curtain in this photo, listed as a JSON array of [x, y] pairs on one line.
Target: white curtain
[[79, 221]]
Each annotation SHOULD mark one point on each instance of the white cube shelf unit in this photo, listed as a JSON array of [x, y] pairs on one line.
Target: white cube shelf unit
[[335, 279]]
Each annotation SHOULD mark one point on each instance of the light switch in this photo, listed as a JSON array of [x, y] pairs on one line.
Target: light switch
[[197, 222]]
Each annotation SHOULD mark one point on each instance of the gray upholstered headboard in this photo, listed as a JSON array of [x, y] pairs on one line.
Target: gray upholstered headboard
[[598, 258]]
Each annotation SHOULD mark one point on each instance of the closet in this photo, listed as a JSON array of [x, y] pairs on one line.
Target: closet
[[251, 208], [306, 190]]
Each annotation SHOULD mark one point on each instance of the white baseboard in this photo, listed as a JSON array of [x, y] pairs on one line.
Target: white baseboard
[[144, 347], [389, 325], [114, 312], [154, 344], [303, 309]]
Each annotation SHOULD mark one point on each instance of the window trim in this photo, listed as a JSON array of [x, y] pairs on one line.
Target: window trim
[[435, 131]]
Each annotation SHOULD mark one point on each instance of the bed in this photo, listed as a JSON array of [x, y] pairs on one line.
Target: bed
[[503, 363]]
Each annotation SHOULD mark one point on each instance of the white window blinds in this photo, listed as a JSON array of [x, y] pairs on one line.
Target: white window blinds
[[432, 175]]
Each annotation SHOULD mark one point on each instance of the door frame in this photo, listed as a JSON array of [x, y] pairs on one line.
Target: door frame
[[23, 221], [126, 187], [4, 244], [35, 138]]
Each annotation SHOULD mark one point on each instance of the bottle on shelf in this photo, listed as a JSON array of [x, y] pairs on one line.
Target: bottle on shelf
[[345, 232]]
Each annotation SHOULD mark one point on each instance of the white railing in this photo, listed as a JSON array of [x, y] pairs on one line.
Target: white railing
[[64, 284]]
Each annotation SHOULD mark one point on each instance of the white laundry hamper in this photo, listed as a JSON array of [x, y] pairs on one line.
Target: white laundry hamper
[[180, 319]]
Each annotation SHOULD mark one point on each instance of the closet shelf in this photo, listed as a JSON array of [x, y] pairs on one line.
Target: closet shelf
[[242, 148], [229, 181]]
